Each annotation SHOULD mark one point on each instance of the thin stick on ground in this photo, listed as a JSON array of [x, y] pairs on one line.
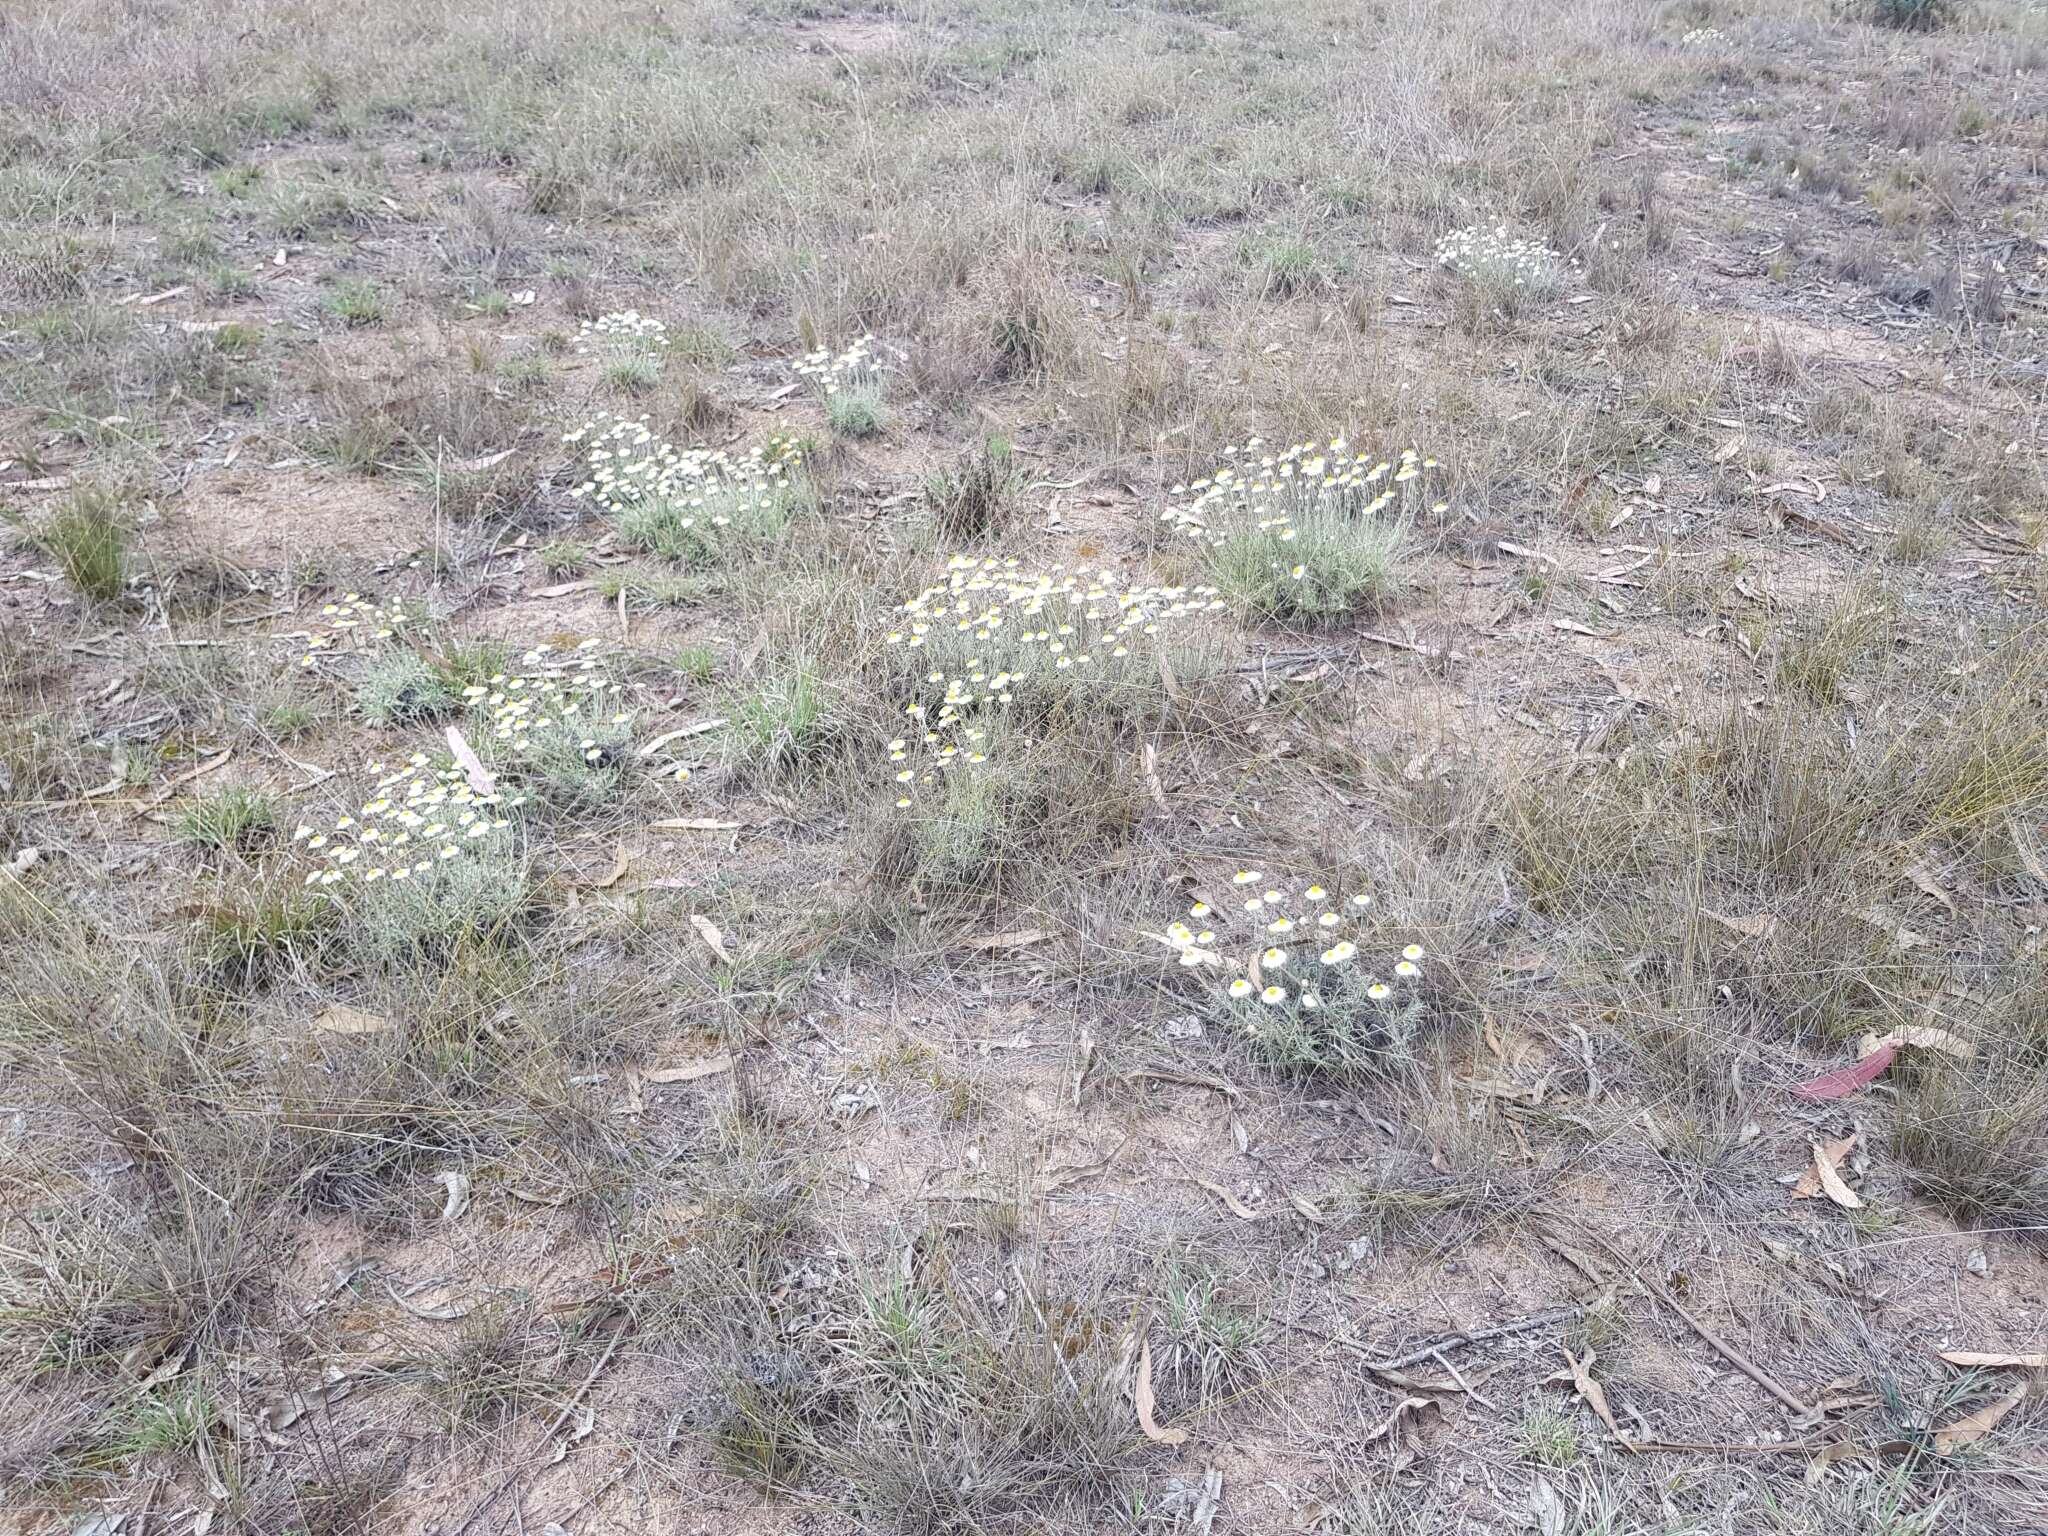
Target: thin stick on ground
[[1727, 1351], [1433, 1350]]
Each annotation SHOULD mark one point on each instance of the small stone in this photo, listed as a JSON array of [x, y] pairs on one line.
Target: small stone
[[1976, 1263]]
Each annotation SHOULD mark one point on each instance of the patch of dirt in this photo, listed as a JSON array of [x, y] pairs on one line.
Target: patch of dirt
[[273, 519], [856, 36]]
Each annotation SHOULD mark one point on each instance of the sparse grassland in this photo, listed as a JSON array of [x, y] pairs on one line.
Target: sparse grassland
[[698, 827]]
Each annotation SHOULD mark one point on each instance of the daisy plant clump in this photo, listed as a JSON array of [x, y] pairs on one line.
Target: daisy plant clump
[[997, 650], [417, 816], [1292, 970], [692, 505], [630, 345], [373, 643], [1508, 272], [853, 384], [1312, 534], [558, 726], [354, 623]]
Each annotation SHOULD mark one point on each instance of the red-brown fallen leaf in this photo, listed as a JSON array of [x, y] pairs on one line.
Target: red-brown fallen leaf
[[1844, 1081], [1878, 1054]]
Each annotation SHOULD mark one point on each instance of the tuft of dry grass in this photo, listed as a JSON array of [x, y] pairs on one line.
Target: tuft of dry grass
[[90, 539]]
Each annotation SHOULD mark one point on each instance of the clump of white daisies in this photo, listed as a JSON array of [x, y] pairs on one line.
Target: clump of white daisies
[[1291, 971], [685, 504], [631, 346], [623, 330], [1507, 269], [998, 638], [1312, 533], [416, 817], [854, 384]]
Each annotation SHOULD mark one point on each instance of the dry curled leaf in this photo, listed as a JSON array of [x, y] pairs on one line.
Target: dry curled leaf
[[1823, 1175], [1840, 1450], [1020, 938], [621, 862], [1150, 763], [457, 1185], [1147, 1404], [473, 768], [1758, 925], [649, 748], [171, 786], [1921, 1037], [1235, 1206], [708, 932], [1578, 1374], [1407, 1409], [1924, 881]]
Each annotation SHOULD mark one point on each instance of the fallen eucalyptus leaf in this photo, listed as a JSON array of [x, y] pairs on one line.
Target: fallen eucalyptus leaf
[[708, 932], [689, 1072], [1973, 1427], [1578, 1374], [1823, 1175], [457, 1185], [1976, 1358], [473, 767], [1145, 1402], [1236, 1206], [340, 1019], [1407, 1408]]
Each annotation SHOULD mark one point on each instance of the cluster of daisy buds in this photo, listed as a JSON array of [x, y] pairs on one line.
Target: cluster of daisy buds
[[625, 329], [1500, 261], [627, 466], [416, 817], [350, 622], [860, 366], [1296, 949], [1703, 37], [1259, 492]]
